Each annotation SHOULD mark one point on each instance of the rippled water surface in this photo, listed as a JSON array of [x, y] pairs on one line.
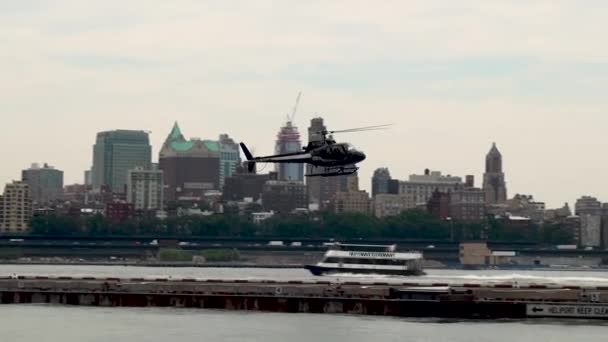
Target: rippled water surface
[[34, 323], [592, 278]]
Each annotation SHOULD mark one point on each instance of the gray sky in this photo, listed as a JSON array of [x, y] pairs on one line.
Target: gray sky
[[452, 75]]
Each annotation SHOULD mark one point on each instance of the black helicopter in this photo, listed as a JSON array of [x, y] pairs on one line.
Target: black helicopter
[[333, 159]]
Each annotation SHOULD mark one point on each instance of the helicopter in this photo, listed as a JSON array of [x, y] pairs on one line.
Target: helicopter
[[328, 156]]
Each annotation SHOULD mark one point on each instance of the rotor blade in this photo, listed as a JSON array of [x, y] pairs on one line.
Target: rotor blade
[[362, 129], [358, 130]]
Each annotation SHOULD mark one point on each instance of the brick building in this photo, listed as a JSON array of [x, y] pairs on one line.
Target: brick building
[[284, 196]]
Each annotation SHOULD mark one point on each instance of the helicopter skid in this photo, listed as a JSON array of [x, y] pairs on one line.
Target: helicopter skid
[[334, 171]]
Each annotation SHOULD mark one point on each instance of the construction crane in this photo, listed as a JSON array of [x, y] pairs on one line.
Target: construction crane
[[291, 117]]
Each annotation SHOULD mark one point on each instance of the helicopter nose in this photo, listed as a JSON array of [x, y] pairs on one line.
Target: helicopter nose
[[360, 156]]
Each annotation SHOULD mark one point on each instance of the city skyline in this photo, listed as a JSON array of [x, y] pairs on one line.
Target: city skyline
[[364, 185], [452, 78]]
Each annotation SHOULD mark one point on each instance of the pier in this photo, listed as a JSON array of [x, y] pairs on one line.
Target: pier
[[407, 299]]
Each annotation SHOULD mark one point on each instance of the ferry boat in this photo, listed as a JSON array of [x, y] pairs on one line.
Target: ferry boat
[[368, 259]]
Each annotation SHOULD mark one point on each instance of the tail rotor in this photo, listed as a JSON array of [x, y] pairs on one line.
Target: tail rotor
[[249, 156]]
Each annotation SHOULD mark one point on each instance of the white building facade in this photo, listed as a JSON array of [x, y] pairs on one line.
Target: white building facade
[[590, 234], [16, 208], [420, 188], [145, 189], [392, 204]]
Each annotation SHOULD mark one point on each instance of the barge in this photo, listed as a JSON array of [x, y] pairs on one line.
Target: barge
[[411, 299]]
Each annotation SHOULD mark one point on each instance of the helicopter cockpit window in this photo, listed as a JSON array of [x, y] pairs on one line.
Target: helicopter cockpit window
[[335, 151], [350, 148]]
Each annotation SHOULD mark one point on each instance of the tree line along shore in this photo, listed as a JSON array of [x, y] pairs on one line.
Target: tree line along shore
[[411, 224]]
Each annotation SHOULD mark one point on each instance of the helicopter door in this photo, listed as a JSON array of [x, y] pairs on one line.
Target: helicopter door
[[334, 151], [340, 152], [331, 152]]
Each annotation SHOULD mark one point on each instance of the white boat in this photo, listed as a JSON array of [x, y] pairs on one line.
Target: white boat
[[368, 259]]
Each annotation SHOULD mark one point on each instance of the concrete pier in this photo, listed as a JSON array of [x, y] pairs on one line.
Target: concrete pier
[[375, 298]]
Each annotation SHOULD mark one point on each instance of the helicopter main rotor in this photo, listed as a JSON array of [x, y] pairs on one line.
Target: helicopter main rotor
[[359, 129]]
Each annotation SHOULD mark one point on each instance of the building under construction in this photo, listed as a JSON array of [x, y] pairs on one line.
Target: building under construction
[[288, 141]]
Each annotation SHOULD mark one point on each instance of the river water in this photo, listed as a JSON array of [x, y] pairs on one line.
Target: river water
[[589, 278], [35, 323]]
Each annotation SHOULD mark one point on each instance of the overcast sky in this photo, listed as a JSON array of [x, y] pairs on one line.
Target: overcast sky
[[453, 76]]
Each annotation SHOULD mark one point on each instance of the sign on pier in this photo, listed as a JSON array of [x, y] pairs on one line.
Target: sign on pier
[[567, 310]]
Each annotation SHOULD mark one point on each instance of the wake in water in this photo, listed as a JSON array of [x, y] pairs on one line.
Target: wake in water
[[580, 278], [542, 277], [484, 277]]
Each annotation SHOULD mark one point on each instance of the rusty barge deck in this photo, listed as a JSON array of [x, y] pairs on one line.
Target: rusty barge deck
[[374, 298]]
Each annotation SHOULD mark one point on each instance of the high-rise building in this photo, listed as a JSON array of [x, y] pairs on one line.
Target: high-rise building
[[284, 196], [322, 190], [590, 211], [604, 232], [314, 184], [469, 181], [244, 184], [230, 157], [288, 141], [352, 202], [421, 187], [191, 167], [572, 224], [558, 214], [76, 194], [348, 198], [16, 208], [88, 177], [494, 183], [381, 181], [117, 152], [587, 205], [393, 186], [145, 189], [439, 204], [464, 202], [45, 184], [522, 205], [331, 186], [590, 231], [392, 204], [467, 203]]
